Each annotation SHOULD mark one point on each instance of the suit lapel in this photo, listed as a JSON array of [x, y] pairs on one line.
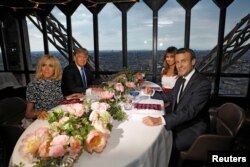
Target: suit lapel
[[177, 85], [189, 84]]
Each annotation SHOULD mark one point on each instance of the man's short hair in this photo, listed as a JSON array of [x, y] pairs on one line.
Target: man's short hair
[[81, 50], [187, 50]]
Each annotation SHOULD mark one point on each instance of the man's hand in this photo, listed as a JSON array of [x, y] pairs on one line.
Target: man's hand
[[152, 121], [148, 91]]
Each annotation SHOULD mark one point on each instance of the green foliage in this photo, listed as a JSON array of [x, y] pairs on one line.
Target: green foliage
[[116, 112], [51, 162]]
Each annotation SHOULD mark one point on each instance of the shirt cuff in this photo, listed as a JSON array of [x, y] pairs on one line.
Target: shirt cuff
[[163, 120]]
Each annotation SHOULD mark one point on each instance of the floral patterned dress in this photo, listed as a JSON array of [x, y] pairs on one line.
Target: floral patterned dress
[[45, 94]]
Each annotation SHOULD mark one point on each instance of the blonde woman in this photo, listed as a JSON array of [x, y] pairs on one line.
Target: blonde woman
[[169, 71], [44, 92]]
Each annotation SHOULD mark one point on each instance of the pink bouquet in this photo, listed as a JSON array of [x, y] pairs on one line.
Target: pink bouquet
[[73, 128]]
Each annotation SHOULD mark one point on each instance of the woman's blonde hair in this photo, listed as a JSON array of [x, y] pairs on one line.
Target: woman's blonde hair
[[56, 64]]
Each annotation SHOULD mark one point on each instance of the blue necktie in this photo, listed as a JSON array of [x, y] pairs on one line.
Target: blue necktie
[[84, 79]]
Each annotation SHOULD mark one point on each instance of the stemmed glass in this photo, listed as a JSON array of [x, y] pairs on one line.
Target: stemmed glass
[[134, 93], [128, 102], [117, 96]]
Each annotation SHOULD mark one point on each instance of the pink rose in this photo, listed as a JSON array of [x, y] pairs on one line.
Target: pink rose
[[44, 149], [75, 109], [102, 127], [57, 146], [75, 147], [60, 140], [99, 107], [119, 87], [106, 94], [57, 151], [31, 143], [96, 141], [139, 76], [130, 84], [93, 115]]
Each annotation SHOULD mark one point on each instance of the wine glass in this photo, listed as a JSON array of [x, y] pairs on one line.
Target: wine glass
[[134, 93], [117, 96], [128, 102]]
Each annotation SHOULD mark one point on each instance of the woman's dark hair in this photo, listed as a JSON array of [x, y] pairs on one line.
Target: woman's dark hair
[[170, 50]]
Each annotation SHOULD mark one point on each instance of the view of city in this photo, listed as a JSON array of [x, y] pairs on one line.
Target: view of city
[[142, 61]]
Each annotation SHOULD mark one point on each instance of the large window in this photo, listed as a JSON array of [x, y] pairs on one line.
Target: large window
[[82, 27], [36, 40], [140, 34], [110, 38]]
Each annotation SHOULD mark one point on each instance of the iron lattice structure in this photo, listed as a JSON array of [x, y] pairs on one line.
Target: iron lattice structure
[[235, 45], [57, 35]]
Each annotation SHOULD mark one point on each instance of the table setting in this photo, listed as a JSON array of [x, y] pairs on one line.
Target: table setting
[[97, 129]]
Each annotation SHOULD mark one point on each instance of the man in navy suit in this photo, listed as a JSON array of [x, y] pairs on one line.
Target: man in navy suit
[[189, 116], [76, 77]]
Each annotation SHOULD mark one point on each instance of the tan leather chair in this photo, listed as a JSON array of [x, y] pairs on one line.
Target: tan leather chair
[[229, 119]]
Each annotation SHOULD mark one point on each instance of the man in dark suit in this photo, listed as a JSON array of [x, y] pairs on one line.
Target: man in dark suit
[[189, 117], [76, 77]]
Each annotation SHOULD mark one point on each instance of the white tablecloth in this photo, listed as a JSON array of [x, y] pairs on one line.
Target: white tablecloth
[[131, 144]]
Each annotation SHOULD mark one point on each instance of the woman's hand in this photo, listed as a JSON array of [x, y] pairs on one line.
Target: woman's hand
[[42, 115]]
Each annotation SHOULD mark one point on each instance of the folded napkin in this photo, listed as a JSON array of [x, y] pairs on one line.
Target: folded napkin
[[148, 106], [69, 101]]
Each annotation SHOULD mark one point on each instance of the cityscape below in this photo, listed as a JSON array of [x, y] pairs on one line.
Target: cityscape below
[[142, 61]]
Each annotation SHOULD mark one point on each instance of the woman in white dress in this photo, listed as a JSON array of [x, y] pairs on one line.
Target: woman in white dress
[[169, 71]]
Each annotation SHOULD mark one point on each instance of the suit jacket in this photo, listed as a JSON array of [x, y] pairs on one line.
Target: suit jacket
[[189, 118], [72, 80]]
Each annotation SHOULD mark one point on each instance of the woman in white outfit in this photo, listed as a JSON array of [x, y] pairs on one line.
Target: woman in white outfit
[[169, 71]]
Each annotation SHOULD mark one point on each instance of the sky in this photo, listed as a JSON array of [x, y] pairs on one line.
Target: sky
[[171, 25]]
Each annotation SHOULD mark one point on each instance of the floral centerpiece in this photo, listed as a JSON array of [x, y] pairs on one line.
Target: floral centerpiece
[[124, 82], [77, 127]]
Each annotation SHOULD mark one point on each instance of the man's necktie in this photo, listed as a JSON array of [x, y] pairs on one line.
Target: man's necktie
[[182, 87], [84, 79]]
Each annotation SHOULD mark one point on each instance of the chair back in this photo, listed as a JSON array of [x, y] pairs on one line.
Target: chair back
[[10, 134], [230, 117], [12, 110]]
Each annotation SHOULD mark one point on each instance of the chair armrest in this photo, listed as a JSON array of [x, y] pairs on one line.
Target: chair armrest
[[204, 143]]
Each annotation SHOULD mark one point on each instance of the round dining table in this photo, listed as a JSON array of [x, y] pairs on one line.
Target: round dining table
[[131, 143]]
